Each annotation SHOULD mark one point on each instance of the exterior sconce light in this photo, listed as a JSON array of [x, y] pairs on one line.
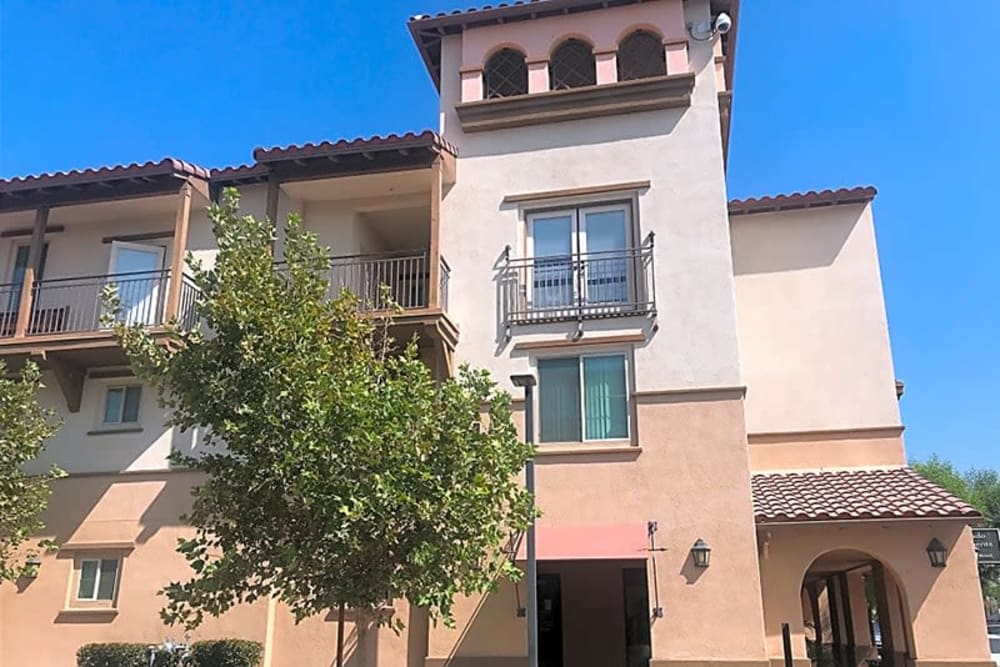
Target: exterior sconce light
[[938, 553], [701, 553]]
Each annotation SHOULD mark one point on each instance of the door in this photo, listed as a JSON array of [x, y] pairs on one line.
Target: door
[[136, 270], [17, 275], [635, 588], [604, 245], [550, 630], [551, 244]]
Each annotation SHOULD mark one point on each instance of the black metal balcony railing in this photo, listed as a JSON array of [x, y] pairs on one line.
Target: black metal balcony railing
[[75, 305], [405, 274], [591, 285]]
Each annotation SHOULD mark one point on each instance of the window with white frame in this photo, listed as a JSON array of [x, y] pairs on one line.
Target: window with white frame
[[583, 398], [581, 255], [121, 405], [98, 579]]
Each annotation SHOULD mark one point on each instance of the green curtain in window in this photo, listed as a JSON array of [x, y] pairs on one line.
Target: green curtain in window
[[88, 579], [109, 574], [605, 403], [559, 399]]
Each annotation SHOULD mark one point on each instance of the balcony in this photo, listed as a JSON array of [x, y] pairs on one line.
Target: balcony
[[406, 275], [578, 287]]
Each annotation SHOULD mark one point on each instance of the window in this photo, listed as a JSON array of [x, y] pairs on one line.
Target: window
[[641, 55], [121, 405], [572, 65], [98, 579], [581, 256], [17, 275], [505, 74], [583, 398]]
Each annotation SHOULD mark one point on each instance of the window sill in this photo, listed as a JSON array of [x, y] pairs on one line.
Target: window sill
[[83, 612], [115, 430], [612, 447], [653, 93]]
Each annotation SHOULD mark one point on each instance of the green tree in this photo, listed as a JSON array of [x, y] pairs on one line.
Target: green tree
[[980, 487], [339, 472], [24, 427]]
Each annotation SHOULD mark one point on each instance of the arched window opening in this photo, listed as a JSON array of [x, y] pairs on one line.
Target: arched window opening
[[572, 65], [641, 55], [505, 74]]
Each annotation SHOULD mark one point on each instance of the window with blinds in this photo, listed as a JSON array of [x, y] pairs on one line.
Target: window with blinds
[[583, 398]]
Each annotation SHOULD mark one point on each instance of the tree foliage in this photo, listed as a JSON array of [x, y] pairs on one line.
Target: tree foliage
[[24, 427], [338, 470], [980, 487]]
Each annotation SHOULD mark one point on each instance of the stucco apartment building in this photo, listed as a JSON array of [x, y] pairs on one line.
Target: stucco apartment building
[[710, 372]]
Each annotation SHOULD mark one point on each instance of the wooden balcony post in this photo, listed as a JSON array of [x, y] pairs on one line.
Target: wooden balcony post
[[273, 191], [30, 271], [434, 252], [181, 224]]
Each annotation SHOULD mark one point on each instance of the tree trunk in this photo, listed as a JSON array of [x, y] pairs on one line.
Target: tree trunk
[[340, 635]]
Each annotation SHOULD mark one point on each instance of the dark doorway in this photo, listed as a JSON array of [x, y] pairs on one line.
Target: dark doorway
[[550, 631], [636, 592]]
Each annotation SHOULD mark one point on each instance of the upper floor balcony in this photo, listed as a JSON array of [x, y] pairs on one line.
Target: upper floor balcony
[[578, 286]]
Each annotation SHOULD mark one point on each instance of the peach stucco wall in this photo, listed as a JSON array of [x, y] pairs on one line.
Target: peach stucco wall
[[827, 450], [685, 447], [814, 339], [136, 516], [943, 606]]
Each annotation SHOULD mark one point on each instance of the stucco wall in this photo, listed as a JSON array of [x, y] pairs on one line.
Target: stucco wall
[[943, 605], [679, 151], [814, 339], [84, 444], [690, 476]]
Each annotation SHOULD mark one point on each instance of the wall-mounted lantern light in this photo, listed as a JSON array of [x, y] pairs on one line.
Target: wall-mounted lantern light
[[938, 553], [701, 553]]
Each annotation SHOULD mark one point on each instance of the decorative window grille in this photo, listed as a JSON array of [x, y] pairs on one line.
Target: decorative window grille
[[505, 74], [641, 55], [572, 65]]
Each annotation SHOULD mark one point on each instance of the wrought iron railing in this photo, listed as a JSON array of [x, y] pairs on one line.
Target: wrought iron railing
[[10, 299], [74, 305], [379, 280], [590, 285]]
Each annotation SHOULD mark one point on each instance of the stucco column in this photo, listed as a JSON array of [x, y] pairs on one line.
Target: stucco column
[[607, 66], [677, 55], [472, 83], [538, 75]]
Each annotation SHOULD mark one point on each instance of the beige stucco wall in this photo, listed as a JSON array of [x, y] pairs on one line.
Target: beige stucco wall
[[814, 339], [679, 151], [943, 605], [84, 444]]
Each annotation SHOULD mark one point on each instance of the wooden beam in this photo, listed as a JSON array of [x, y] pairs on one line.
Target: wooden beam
[[31, 271], [434, 254], [27, 231], [69, 377], [181, 224], [146, 236], [273, 190]]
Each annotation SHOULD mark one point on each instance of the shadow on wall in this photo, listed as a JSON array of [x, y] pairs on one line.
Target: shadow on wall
[[791, 240], [76, 501], [490, 627]]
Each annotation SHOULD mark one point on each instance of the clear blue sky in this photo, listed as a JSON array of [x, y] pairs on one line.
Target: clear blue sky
[[902, 95]]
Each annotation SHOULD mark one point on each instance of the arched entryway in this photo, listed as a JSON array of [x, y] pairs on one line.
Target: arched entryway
[[854, 611]]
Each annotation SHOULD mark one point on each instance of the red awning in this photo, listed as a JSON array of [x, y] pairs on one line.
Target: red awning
[[596, 542]]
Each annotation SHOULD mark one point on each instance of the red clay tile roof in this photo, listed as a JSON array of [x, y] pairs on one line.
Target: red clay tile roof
[[165, 167], [851, 495], [797, 200], [394, 142]]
